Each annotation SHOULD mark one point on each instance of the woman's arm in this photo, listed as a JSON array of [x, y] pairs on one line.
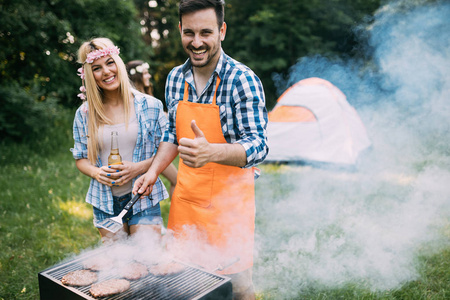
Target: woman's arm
[[85, 167], [171, 174]]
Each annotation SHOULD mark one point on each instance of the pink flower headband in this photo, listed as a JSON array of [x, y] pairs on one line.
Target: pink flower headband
[[91, 57], [94, 55]]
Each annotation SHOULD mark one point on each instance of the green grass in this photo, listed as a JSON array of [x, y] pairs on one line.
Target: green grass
[[43, 215], [44, 219]]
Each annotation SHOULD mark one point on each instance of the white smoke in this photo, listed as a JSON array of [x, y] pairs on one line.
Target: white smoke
[[319, 228]]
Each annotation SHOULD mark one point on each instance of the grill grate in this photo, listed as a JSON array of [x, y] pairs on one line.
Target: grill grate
[[192, 283]]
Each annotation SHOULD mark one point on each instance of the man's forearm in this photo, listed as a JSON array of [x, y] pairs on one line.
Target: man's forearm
[[164, 157], [228, 154]]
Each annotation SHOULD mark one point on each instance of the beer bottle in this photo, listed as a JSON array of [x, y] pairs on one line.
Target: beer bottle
[[114, 157]]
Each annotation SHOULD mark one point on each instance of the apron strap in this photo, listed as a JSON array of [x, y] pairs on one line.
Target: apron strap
[[186, 90]]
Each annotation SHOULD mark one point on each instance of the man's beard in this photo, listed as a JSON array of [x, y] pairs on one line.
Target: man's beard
[[201, 64]]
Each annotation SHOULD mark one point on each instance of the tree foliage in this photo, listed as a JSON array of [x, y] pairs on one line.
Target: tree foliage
[[270, 36], [159, 25], [39, 39]]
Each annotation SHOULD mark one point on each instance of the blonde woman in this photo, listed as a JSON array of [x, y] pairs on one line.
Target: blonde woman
[[110, 104]]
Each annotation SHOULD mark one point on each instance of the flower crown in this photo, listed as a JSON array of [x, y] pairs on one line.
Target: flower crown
[[91, 57], [94, 55], [139, 68]]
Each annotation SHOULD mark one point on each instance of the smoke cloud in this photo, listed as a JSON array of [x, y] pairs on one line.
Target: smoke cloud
[[319, 228]]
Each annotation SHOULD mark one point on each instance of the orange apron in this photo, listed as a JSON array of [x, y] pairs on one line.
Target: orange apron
[[218, 201]]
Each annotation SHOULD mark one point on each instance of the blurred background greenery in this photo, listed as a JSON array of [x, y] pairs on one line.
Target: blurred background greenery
[[39, 40]]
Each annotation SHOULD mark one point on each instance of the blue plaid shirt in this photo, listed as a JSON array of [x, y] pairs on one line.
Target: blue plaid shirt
[[152, 124], [241, 101]]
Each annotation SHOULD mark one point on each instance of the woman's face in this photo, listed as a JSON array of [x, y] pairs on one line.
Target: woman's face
[[146, 77], [105, 72]]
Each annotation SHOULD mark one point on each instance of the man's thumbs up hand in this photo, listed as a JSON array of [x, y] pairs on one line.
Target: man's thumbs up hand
[[195, 152], [198, 133]]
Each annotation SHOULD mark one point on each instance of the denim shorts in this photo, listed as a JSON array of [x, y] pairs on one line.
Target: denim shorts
[[150, 216]]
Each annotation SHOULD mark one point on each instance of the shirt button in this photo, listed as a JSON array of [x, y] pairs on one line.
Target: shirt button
[[222, 108]]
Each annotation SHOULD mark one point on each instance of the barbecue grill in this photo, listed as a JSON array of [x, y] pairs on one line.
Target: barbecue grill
[[192, 283]]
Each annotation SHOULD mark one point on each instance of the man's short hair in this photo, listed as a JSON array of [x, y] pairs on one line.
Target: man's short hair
[[190, 6]]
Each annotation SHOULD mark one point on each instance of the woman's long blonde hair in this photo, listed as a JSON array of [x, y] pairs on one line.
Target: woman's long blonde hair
[[94, 95]]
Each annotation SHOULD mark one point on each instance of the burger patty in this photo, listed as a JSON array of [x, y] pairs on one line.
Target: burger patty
[[165, 269], [109, 287], [79, 278], [133, 271]]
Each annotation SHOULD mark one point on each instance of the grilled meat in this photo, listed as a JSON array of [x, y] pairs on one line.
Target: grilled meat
[[79, 278], [109, 287]]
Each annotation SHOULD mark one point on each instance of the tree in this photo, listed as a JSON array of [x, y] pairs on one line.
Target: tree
[[39, 41], [270, 36], [159, 25]]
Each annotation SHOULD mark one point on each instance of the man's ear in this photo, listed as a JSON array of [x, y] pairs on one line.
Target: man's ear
[[223, 31]]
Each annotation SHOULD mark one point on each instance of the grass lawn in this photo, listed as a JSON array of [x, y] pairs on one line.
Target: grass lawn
[[44, 220]]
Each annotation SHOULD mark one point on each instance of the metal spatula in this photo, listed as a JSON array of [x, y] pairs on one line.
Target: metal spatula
[[115, 223]]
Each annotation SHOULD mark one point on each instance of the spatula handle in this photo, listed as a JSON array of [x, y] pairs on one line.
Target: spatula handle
[[132, 201]]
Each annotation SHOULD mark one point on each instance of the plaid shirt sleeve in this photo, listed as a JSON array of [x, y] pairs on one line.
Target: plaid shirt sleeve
[[98, 195], [79, 149], [250, 117], [154, 125], [173, 93]]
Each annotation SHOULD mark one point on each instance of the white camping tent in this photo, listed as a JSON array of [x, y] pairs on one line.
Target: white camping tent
[[313, 122]]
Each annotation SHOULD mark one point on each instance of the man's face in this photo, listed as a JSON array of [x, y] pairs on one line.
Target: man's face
[[201, 37]]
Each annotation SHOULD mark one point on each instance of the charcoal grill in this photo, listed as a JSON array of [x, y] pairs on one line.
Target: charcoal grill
[[192, 283]]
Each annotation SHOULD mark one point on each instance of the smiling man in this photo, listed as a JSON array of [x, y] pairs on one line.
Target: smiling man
[[217, 125]]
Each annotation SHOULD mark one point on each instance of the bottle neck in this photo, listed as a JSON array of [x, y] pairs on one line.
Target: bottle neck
[[114, 141], [114, 157]]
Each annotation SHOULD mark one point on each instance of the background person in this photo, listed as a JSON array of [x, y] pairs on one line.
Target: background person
[[110, 104], [217, 125], [138, 72]]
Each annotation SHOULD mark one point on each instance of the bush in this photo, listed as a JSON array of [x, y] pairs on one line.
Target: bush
[[23, 116]]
